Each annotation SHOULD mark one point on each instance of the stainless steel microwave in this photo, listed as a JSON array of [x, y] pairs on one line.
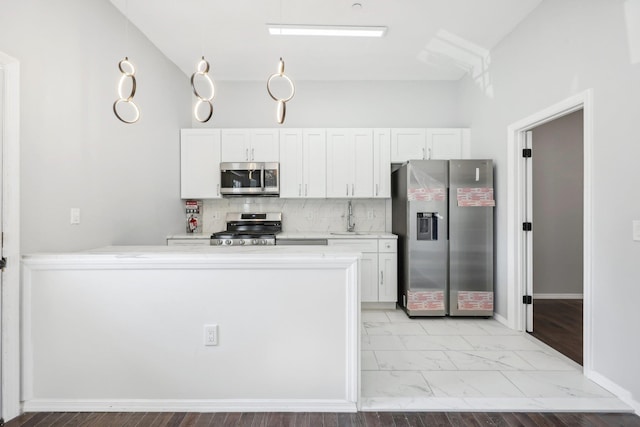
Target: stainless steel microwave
[[250, 179]]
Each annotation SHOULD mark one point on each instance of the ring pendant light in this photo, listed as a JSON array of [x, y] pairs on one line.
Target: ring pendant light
[[281, 109], [128, 72], [202, 72]]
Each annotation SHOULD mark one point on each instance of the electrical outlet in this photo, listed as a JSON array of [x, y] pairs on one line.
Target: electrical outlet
[[75, 216], [210, 334]]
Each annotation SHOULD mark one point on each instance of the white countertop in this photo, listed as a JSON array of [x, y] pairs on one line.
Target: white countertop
[[306, 235], [194, 253]]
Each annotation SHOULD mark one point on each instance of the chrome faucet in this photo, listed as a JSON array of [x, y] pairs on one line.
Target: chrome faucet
[[350, 224]]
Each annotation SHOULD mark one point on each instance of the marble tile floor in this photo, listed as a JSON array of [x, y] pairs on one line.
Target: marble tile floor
[[467, 364]]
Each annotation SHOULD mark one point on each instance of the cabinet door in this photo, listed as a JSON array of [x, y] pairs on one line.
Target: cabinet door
[[265, 145], [315, 163], [363, 163], [382, 163], [291, 163], [199, 163], [340, 162], [408, 144], [448, 143], [235, 145], [368, 277], [388, 277]]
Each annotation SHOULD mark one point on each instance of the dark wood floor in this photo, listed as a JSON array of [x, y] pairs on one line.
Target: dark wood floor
[[379, 419], [558, 323]]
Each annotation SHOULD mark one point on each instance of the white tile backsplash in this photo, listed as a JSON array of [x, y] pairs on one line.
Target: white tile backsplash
[[303, 215]]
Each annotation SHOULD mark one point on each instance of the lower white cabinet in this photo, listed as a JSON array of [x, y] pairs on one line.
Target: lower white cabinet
[[387, 270], [378, 267]]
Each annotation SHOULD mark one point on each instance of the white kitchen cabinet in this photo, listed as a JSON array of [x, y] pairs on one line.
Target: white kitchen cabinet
[[250, 145], [199, 163], [303, 163], [448, 143], [378, 268], [429, 144], [314, 163], [387, 270], [408, 144], [349, 163], [381, 163]]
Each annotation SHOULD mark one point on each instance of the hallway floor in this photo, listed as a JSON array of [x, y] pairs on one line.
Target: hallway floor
[[468, 364]]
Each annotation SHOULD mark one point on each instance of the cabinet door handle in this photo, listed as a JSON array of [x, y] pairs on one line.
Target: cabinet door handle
[[377, 189], [381, 278], [306, 190], [299, 189], [246, 154], [217, 189], [353, 189], [429, 151], [253, 154], [423, 157], [347, 189]]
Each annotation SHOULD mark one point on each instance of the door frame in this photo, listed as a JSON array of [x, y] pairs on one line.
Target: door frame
[[517, 260], [10, 333]]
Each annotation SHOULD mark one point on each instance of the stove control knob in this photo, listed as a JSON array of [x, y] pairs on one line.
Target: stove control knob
[[227, 242], [255, 242], [263, 242], [241, 242]]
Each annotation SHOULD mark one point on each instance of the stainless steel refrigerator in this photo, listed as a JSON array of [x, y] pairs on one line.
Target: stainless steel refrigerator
[[442, 212]]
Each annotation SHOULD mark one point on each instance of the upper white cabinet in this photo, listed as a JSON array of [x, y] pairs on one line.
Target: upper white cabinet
[[448, 143], [250, 145], [432, 143], [381, 163], [349, 163], [199, 163], [303, 163], [408, 144]]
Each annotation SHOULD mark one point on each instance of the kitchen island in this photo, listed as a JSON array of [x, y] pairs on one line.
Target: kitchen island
[[130, 328]]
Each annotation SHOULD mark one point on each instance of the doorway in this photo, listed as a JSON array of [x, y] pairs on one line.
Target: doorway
[[555, 192], [519, 242]]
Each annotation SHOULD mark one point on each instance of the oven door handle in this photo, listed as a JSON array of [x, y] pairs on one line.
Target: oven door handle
[[262, 177]]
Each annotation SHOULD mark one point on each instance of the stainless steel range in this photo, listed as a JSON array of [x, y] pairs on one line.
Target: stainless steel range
[[248, 229]]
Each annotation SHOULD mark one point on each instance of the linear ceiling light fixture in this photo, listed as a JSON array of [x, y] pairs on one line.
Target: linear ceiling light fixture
[[326, 30]]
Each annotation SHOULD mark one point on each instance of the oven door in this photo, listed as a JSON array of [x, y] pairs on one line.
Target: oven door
[[238, 179]]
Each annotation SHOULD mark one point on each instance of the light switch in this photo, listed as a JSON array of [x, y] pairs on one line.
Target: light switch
[[75, 216], [636, 230]]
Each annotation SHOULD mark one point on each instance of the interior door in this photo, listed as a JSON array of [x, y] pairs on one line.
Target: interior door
[[1, 229], [528, 235]]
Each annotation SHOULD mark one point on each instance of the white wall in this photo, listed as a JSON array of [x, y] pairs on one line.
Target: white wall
[[75, 153], [558, 206], [339, 104], [563, 48]]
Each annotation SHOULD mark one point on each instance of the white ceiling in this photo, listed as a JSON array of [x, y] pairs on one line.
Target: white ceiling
[[426, 39]]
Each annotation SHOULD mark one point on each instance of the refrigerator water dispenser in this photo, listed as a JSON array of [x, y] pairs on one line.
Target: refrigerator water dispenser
[[427, 226]]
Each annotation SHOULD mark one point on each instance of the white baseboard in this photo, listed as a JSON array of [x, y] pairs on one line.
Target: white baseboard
[[620, 393], [188, 405], [500, 319], [558, 296]]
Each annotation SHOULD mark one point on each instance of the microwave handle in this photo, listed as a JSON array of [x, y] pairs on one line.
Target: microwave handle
[[262, 177]]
